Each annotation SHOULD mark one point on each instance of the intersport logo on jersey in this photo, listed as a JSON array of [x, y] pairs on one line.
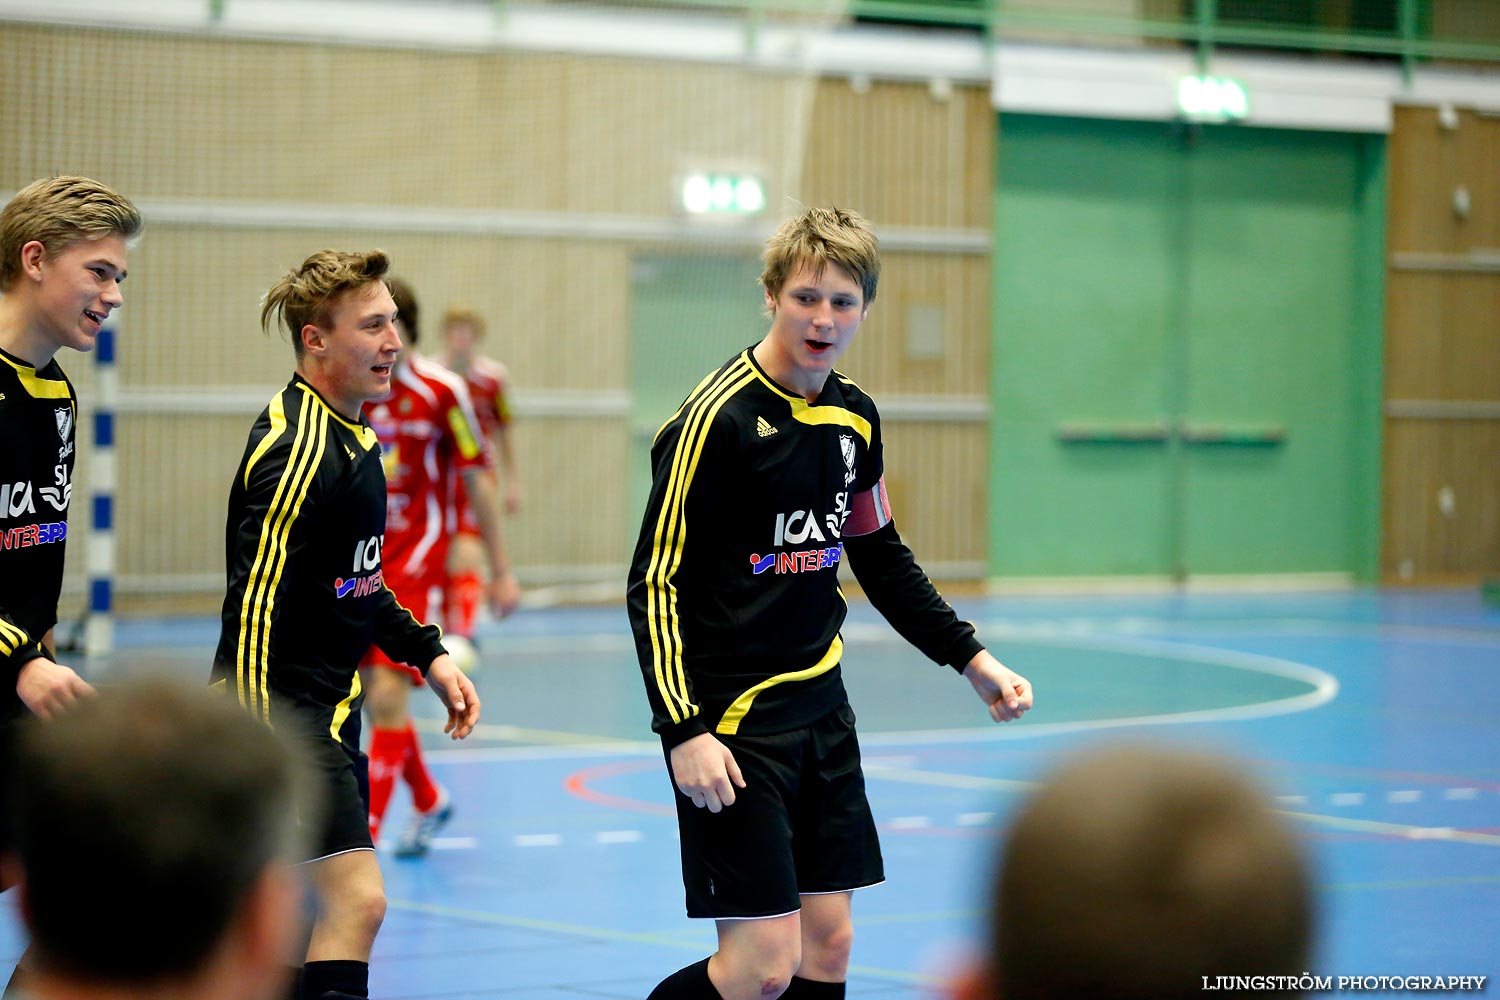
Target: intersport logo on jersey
[[361, 582], [798, 527]]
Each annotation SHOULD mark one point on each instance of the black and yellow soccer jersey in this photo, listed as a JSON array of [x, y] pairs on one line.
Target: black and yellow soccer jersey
[[38, 414], [303, 542], [733, 593]]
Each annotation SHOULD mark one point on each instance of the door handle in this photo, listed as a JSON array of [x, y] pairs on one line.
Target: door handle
[[1201, 435], [1234, 435], [1122, 433]]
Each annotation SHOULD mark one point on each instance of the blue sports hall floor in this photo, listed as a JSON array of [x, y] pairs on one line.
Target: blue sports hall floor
[[1369, 715]]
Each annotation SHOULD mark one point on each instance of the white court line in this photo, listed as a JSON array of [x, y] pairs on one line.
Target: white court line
[[1325, 689], [618, 836], [537, 840], [1405, 795]]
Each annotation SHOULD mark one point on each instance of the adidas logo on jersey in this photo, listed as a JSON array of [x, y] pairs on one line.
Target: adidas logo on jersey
[[762, 428]]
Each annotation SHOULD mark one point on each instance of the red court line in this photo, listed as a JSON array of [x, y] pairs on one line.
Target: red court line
[[577, 784]]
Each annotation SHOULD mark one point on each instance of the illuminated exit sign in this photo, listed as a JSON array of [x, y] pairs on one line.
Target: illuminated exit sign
[[722, 194], [1212, 98]]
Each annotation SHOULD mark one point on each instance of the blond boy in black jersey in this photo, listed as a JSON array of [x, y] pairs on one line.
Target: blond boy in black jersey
[[307, 596], [766, 477], [62, 259]]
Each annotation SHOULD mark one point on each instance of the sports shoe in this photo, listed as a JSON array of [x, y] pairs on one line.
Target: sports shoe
[[422, 827]]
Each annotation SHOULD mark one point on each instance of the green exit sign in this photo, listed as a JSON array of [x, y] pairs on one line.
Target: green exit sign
[[722, 194], [1212, 98]]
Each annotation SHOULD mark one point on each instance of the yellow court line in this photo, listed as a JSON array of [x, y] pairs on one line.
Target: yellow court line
[[1442, 833], [945, 780], [666, 940]]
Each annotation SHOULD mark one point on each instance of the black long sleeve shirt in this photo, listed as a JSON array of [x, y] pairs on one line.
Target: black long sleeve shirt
[[38, 417], [306, 597], [733, 593]]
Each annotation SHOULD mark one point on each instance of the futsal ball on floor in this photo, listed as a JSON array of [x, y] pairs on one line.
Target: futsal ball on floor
[[465, 656]]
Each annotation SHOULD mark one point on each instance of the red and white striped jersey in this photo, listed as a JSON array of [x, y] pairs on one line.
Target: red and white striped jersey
[[489, 388], [429, 433]]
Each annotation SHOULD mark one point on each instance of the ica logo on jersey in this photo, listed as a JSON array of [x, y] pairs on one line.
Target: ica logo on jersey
[[801, 526], [361, 581]]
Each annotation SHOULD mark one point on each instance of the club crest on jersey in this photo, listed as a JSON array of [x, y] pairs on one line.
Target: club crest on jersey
[[846, 445], [64, 421]]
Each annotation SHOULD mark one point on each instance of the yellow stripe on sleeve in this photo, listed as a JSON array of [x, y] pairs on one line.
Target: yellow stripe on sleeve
[[670, 536], [257, 608], [12, 638], [277, 412]]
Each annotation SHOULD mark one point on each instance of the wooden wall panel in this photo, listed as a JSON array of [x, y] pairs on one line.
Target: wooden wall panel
[[901, 156], [938, 491], [1441, 494], [1443, 335], [1414, 335], [575, 475], [1427, 163], [957, 287], [199, 118], [175, 473], [199, 122], [1430, 536], [1471, 333]]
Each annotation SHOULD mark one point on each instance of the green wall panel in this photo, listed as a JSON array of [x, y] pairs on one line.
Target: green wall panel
[[1201, 279]]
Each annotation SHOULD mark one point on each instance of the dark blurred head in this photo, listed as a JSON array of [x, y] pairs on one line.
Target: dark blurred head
[[1134, 872], [143, 817], [406, 310]]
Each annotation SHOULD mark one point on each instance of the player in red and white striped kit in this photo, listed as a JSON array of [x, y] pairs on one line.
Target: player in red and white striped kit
[[488, 382], [429, 439]]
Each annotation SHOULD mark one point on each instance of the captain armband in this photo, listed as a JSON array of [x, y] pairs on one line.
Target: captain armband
[[868, 511]]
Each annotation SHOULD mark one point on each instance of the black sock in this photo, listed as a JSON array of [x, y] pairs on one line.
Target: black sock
[[335, 980], [691, 983], [811, 989]]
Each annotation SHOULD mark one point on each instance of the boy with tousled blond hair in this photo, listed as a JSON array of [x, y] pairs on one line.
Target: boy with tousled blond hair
[[306, 593], [63, 243], [767, 476]]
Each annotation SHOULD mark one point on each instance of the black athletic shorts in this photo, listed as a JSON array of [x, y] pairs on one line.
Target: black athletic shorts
[[8, 764], [346, 807], [801, 825]]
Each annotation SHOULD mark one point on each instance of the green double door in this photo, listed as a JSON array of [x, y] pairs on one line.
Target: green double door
[[1186, 371]]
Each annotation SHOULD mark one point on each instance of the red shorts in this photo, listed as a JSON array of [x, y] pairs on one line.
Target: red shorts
[[424, 599]]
